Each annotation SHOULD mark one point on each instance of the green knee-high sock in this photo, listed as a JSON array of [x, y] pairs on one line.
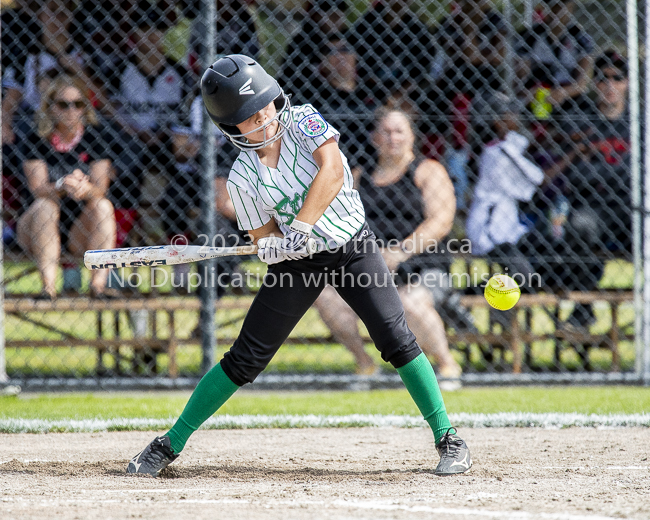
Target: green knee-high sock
[[214, 389], [421, 382]]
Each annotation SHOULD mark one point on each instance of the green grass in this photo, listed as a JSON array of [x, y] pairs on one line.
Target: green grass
[[584, 400]]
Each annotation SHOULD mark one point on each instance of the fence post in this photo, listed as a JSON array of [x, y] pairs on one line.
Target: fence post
[[3, 366], [646, 205], [208, 212], [640, 321]]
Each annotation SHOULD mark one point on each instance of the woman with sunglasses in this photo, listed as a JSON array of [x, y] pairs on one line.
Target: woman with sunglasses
[[67, 171]]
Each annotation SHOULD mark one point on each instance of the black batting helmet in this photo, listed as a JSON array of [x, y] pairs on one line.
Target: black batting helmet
[[236, 87]]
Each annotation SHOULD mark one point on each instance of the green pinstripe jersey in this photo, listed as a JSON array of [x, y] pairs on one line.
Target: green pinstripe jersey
[[260, 193]]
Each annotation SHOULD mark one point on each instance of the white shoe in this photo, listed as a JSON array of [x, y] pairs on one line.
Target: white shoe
[[450, 378]]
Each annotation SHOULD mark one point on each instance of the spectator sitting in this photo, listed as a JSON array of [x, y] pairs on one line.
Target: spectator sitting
[[601, 178], [54, 52], [305, 53], [236, 33], [471, 38], [506, 178], [396, 51], [343, 100], [67, 165], [151, 95], [474, 31], [590, 202], [495, 227], [20, 37], [96, 30], [558, 54], [177, 37], [409, 204]]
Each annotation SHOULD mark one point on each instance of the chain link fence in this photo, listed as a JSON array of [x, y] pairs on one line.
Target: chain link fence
[[514, 117]]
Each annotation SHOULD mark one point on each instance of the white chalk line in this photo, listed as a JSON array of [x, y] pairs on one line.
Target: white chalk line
[[614, 468], [462, 420], [376, 505], [461, 511]]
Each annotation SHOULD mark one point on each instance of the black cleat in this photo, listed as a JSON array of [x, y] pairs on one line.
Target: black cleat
[[454, 455], [154, 458]]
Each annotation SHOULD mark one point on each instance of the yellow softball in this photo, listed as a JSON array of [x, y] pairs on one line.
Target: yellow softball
[[502, 292]]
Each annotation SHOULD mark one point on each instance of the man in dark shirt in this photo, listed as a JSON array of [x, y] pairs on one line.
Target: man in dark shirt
[[600, 179], [305, 52], [395, 49], [590, 199]]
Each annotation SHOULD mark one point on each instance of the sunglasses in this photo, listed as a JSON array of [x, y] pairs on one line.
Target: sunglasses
[[611, 77], [66, 105]]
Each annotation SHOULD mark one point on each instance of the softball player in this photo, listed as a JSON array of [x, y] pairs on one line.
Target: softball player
[[289, 183]]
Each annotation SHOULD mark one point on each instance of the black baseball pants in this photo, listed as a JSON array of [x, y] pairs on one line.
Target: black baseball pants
[[359, 274]]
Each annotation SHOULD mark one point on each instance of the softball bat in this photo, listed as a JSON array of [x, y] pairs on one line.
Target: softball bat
[[166, 255]]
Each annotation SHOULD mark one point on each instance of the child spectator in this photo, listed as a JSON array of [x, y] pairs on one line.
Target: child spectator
[[180, 204], [506, 178]]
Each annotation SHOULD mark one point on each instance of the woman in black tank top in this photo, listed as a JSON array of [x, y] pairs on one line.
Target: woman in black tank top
[[410, 205]]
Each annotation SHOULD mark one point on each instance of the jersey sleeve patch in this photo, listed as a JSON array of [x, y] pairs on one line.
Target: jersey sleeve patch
[[313, 125]]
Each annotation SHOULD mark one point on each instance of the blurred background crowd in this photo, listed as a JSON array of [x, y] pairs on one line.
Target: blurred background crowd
[[460, 120]]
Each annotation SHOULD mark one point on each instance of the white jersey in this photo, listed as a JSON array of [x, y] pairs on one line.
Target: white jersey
[[260, 193]]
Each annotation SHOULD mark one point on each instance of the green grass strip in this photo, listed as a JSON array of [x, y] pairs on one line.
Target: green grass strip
[[238, 422], [600, 400]]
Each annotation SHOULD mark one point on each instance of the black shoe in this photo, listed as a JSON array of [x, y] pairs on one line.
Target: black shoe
[[455, 315], [154, 458], [580, 320], [454, 455]]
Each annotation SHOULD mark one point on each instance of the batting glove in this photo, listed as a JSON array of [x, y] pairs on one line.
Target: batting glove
[[269, 250], [294, 243]]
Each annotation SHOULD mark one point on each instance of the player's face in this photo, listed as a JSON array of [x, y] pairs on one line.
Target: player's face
[[68, 106], [611, 85], [394, 136], [258, 120]]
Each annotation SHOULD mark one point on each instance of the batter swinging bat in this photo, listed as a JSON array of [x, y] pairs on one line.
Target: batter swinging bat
[[166, 255]]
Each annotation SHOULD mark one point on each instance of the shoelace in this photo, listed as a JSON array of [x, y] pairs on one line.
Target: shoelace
[[450, 444], [158, 452]]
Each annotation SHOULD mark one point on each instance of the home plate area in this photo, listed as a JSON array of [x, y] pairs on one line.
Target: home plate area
[[331, 473]]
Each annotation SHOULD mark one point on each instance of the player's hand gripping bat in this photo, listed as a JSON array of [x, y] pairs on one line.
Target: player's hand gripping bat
[[167, 255]]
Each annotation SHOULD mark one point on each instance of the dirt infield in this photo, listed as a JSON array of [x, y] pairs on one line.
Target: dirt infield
[[376, 473]]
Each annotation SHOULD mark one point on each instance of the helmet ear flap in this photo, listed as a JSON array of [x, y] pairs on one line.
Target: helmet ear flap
[[229, 130], [281, 100]]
